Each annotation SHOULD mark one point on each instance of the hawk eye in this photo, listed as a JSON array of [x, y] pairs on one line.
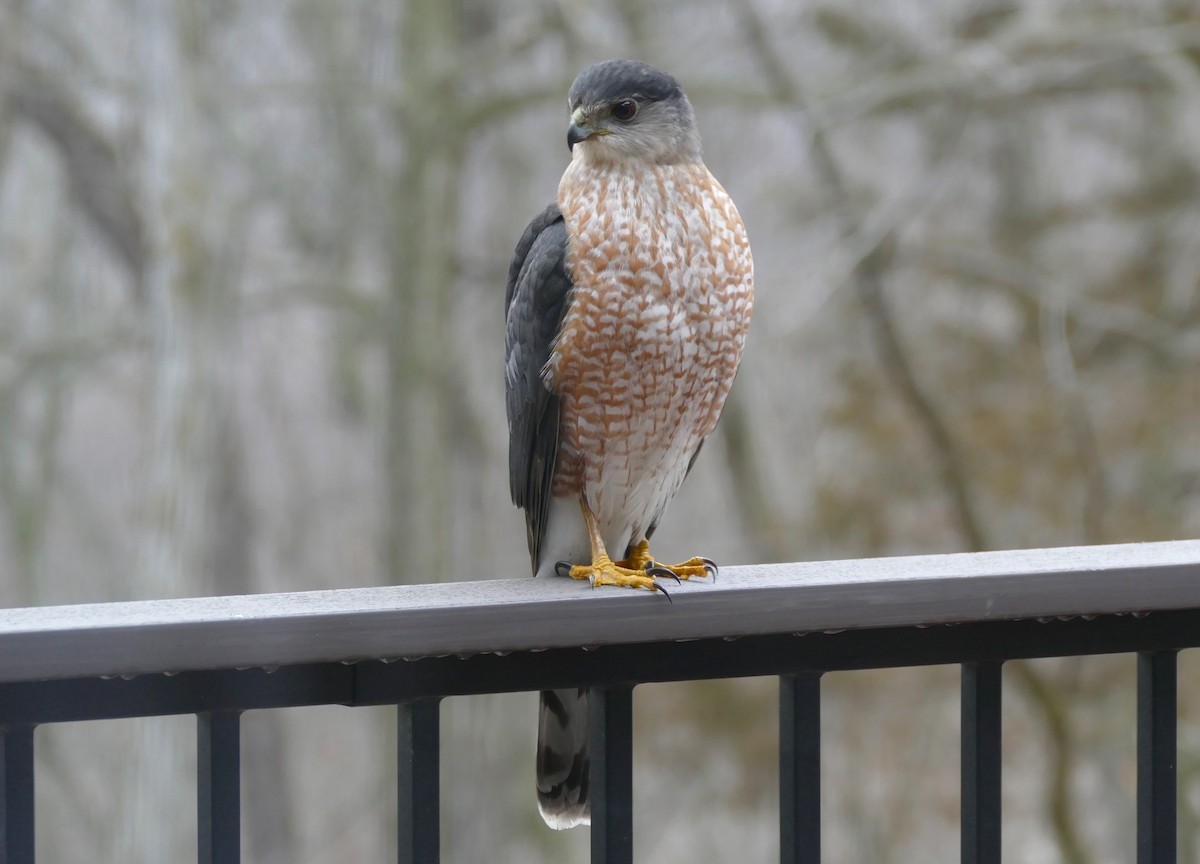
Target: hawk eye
[[624, 110]]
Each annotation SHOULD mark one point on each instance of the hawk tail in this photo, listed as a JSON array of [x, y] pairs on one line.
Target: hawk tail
[[563, 764]]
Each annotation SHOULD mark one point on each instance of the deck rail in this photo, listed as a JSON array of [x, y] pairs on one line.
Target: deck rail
[[411, 645]]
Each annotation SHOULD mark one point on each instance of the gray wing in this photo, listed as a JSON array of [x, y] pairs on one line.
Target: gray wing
[[534, 302]]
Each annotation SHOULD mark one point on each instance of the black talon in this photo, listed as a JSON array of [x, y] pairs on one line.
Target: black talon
[[658, 587], [562, 568], [664, 573], [710, 567]]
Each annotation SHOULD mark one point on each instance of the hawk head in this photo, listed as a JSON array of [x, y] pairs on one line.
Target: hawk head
[[624, 110]]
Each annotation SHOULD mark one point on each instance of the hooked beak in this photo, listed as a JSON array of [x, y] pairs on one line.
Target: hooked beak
[[577, 133], [582, 128]]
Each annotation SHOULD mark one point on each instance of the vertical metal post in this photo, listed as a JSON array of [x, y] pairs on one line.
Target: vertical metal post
[[16, 795], [1156, 743], [800, 768], [981, 750], [610, 730], [219, 787], [418, 782]]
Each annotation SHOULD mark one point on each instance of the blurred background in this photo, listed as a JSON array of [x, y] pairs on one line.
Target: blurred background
[[252, 267]]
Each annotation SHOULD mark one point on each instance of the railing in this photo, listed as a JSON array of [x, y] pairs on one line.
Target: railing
[[412, 645]]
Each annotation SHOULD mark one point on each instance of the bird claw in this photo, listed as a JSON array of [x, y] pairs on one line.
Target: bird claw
[[637, 571], [685, 570], [653, 569]]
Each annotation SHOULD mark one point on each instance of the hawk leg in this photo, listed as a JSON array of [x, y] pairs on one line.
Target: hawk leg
[[641, 559], [639, 570]]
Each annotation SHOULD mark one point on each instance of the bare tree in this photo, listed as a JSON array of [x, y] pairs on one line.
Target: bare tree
[[251, 270]]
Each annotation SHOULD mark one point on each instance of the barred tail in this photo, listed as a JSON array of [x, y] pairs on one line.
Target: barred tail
[[563, 764]]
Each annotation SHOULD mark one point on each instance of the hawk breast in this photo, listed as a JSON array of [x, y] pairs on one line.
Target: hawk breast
[[653, 333]]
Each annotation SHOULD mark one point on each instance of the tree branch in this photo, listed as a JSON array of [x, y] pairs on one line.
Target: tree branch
[[96, 177], [867, 282]]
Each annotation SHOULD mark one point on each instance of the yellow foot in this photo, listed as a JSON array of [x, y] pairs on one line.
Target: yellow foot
[[603, 571], [641, 559], [639, 570], [692, 567]]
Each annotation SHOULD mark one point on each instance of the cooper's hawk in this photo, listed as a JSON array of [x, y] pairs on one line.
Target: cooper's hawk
[[628, 303]]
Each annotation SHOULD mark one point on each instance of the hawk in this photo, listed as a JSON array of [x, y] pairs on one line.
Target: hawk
[[627, 306]]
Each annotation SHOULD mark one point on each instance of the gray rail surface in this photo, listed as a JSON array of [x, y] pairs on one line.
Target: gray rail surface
[[495, 616]]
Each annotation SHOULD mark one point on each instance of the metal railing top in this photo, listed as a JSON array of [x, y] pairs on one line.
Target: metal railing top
[[463, 618]]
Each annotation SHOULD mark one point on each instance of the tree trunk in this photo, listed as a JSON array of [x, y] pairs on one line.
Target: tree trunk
[[420, 350]]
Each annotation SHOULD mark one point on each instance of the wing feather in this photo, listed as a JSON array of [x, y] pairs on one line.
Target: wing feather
[[535, 302]]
